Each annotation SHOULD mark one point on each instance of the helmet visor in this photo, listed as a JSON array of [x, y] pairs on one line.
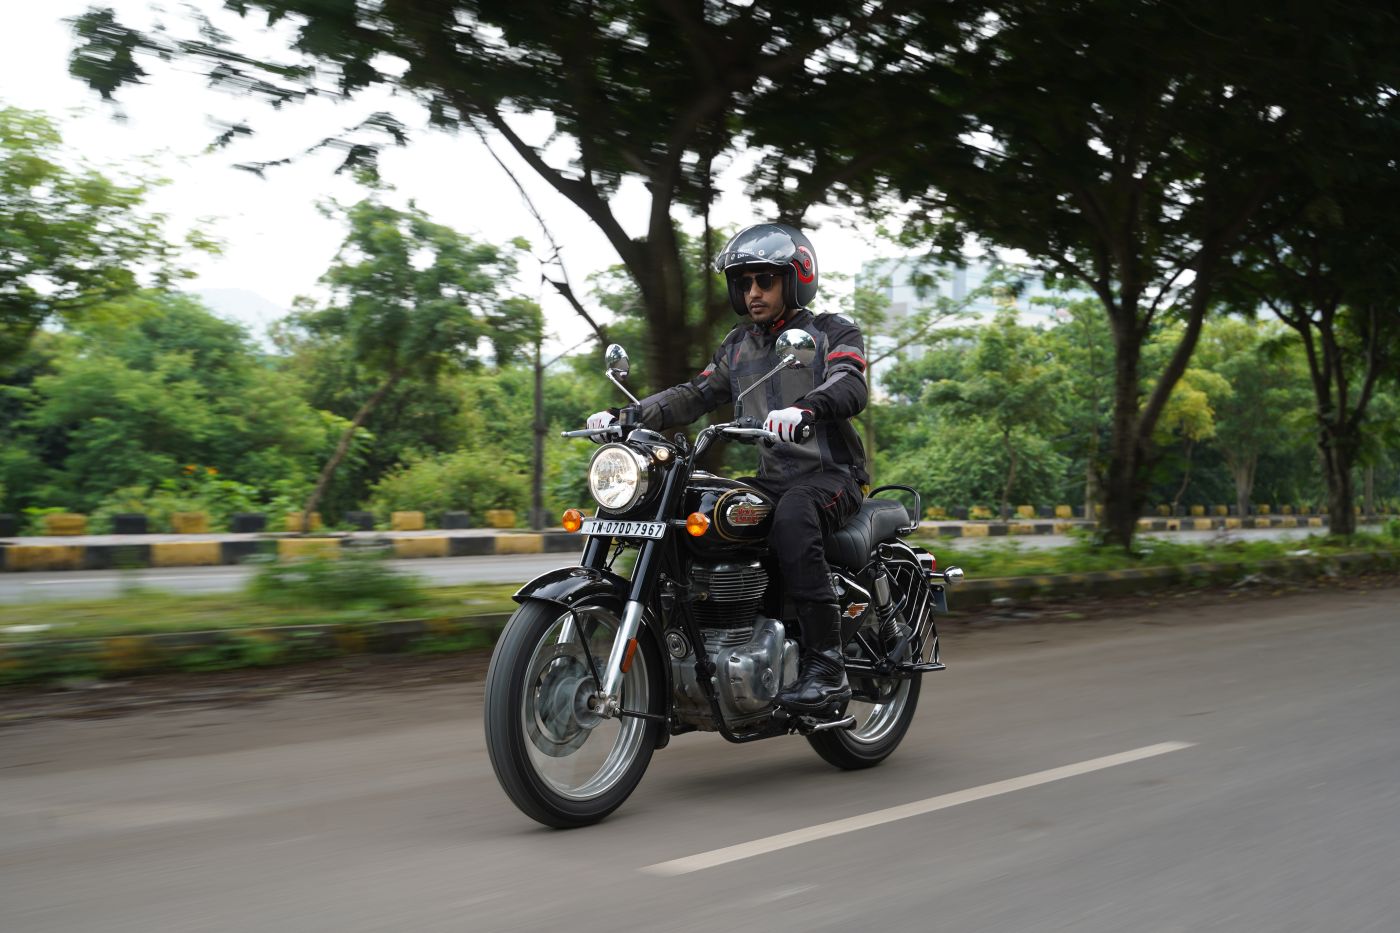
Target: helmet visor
[[764, 247]]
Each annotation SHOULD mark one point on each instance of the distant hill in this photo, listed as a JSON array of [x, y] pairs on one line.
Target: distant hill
[[247, 308]]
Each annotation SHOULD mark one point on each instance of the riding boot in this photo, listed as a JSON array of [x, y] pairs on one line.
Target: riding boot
[[821, 688]]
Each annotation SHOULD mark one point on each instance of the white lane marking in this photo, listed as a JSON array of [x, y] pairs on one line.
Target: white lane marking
[[716, 857]]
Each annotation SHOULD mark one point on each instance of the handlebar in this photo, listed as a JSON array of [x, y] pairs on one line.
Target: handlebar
[[613, 430], [732, 429]]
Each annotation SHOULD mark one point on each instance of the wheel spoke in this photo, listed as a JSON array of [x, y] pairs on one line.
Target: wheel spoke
[[577, 753]]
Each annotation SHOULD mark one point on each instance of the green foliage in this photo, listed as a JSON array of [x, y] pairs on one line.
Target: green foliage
[[966, 465], [353, 580], [413, 296], [72, 237], [473, 480], [141, 388]]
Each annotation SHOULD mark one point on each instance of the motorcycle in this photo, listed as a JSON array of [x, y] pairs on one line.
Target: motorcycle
[[596, 669]]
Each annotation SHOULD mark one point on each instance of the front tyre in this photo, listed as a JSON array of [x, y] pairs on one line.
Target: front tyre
[[558, 762], [884, 708]]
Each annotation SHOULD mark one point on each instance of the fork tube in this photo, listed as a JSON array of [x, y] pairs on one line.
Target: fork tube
[[626, 631], [644, 573]]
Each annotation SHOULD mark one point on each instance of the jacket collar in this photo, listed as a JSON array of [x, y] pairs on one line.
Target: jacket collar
[[800, 318]]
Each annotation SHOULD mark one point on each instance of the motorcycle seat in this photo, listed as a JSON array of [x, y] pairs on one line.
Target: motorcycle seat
[[877, 520]]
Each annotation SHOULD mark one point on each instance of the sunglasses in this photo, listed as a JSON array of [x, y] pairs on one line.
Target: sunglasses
[[765, 281]]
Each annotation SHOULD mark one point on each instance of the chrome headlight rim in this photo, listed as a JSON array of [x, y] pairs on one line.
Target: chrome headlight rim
[[640, 488]]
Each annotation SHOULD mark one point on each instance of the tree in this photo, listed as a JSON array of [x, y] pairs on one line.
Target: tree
[[1083, 345], [1013, 384], [1129, 146], [72, 238], [1266, 385], [141, 388], [1332, 277], [651, 92], [1189, 418], [885, 339], [413, 297]]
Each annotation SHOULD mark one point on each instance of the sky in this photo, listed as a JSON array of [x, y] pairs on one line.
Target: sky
[[276, 241]]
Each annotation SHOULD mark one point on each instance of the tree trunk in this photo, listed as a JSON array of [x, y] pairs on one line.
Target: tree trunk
[[1123, 495], [1369, 508], [537, 471], [1338, 456], [1185, 479], [1242, 471], [328, 470], [670, 348]]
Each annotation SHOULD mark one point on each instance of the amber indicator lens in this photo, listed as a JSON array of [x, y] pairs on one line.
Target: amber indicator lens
[[696, 524], [573, 520]]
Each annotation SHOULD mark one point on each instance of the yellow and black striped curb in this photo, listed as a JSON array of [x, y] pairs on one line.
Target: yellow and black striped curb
[[123, 655], [18, 556], [985, 529], [124, 555]]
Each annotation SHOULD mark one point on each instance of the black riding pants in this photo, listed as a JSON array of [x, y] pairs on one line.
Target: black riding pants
[[807, 512]]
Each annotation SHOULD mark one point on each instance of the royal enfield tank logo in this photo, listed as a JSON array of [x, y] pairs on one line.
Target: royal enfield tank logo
[[746, 514]]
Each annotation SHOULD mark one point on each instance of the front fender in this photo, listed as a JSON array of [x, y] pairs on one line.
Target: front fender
[[569, 585]]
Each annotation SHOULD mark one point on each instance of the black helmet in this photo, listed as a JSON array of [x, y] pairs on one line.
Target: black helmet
[[777, 248]]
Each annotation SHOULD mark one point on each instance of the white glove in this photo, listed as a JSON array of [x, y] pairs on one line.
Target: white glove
[[787, 423], [601, 420]]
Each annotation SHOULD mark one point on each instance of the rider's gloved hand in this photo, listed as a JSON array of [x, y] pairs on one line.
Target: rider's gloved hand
[[788, 423], [601, 420]]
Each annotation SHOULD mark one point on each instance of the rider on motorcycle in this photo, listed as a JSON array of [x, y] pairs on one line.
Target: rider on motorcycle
[[817, 482]]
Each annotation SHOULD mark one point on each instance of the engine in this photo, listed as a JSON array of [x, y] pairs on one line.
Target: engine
[[752, 654]]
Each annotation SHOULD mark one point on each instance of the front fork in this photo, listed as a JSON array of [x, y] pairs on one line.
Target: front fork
[[645, 572]]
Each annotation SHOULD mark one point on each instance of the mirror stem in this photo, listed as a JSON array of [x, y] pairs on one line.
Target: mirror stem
[[616, 382]]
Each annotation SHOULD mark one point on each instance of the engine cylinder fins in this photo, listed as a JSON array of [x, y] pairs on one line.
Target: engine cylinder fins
[[727, 594]]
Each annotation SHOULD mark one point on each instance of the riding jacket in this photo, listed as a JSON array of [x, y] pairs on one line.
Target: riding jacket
[[833, 389]]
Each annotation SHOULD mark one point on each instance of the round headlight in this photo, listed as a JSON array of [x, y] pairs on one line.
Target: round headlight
[[617, 477]]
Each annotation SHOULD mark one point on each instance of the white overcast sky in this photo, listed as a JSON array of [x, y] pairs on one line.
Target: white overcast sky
[[276, 242]]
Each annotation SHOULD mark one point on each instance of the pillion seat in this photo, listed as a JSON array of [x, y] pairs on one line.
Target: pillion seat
[[877, 520]]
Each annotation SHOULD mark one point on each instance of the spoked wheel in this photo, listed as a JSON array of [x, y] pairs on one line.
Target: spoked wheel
[[883, 708], [560, 762]]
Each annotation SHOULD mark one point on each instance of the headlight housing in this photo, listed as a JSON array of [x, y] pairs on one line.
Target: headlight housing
[[618, 477]]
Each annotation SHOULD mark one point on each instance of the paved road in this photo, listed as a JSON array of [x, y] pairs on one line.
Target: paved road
[[375, 809], [30, 587]]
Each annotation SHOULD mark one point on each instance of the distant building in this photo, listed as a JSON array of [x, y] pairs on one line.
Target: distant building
[[899, 279], [911, 286]]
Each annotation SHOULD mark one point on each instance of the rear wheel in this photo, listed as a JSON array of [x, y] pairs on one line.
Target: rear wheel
[[883, 707], [559, 762]]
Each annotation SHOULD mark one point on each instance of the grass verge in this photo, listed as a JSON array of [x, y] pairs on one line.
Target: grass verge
[[1010, 557]]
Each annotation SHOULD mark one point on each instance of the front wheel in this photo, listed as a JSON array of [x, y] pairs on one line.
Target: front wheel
[[560, 763], [884, 708]]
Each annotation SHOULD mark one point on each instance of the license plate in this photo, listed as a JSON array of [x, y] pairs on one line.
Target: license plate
[[611, 528]]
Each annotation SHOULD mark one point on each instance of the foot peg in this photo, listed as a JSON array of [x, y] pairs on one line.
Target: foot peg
[[807, 724], [823, 725]]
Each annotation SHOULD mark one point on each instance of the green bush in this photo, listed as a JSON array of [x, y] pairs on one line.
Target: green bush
[[364, 581], [467, 480]]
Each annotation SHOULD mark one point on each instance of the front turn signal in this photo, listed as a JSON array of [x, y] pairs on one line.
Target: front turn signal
[[696, 524], [573, 520]]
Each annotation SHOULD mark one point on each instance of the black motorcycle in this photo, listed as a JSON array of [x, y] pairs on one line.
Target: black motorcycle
[[597, 669]]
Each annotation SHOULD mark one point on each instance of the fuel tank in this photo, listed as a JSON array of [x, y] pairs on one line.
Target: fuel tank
[[740, 515]]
